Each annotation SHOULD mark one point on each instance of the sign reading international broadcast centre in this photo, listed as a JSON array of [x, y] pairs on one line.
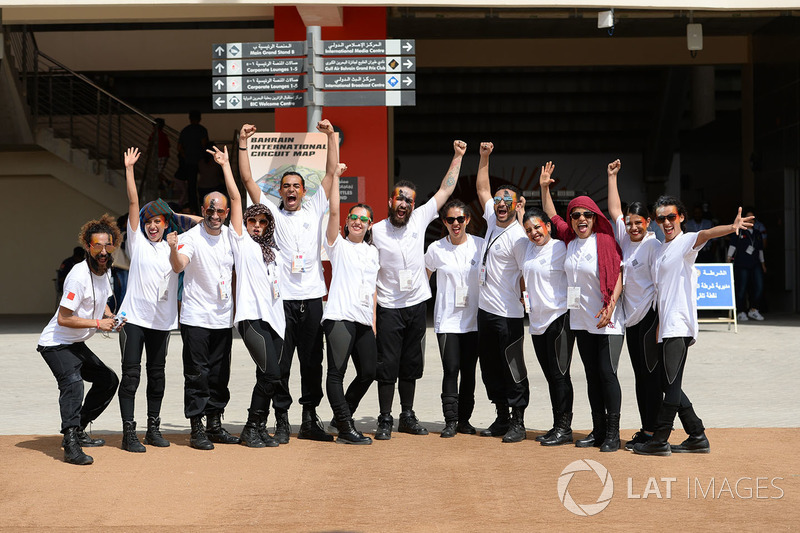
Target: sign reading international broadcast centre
[[377, 72]]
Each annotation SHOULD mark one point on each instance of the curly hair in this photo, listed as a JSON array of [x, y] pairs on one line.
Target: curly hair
[[106, 224]]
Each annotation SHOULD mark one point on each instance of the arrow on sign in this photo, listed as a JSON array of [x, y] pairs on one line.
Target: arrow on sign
[[408, 64], [220, 68], [408, 81], [219, 101], [407, 47], [219, 50], [219, 84]]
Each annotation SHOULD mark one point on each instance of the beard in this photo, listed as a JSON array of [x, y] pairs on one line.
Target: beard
[[396, 221], [96, 267]]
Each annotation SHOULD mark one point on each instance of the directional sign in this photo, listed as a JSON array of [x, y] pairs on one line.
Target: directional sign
[[369, 81], [258, 100], [368, 98], [261, 49], [366, 64], [237, 84], [255, 67], [368, 48]]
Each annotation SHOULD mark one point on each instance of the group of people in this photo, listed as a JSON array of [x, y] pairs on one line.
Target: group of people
[[568, 275]]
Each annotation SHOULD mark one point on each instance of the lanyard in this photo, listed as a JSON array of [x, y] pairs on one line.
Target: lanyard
[[492, 241]]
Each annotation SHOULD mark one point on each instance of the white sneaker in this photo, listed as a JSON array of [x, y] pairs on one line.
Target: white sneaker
[[755, 315], [742, 317]]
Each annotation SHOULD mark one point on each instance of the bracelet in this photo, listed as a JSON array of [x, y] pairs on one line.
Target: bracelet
[[243, 149], [98, 322]]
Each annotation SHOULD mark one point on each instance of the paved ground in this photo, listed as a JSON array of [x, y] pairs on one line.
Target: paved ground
[[747, 379]]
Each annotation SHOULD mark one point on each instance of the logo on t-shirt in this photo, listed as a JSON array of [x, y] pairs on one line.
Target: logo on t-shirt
[[71, 296], [180, 246]]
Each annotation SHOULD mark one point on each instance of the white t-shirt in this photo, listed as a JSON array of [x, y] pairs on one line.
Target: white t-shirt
[[546, 283], [353, 280], [150, 272], [582, 272], [676, 286], [457, 268], [298, 233], [85, 294], [638, 289], [255, 297], [403, 250], [501, 293], [207, 275]]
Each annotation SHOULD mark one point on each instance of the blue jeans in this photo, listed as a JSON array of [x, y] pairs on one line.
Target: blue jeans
[[749, 281]]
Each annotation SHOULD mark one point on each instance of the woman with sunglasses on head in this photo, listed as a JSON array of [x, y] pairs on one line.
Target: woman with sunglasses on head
[[455, 259], [150, 308], [673, 272], [639, 251], [594, 281], [349, 316], [546, 287], [259, 317]]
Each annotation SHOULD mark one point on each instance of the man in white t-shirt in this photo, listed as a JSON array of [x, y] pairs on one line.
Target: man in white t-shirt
[[500, 311], [205, 256], [402, 292], [299, 237]]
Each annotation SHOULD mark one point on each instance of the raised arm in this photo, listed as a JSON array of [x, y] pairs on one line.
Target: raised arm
[[253, 190], [177, 260], [451, 178], [544, 186], [325, 126], [482, 184], [222, 159], [739, 223], [131, 157], [333, 204], [614, 203]]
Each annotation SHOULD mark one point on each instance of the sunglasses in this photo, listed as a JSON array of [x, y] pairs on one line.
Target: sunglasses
[[671, 217], [507, 199], [362, 218], [210, 212], [97, 247], [451, 220], [261, 222], [588, 215]]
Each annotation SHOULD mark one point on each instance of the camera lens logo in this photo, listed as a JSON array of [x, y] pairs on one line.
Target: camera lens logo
[[589, 509]]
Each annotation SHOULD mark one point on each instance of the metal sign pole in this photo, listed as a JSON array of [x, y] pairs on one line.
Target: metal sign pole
[[314, 108]]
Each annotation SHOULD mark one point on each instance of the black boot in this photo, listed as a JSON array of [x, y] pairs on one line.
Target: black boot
[[153, 436], [410, 424], [697, 441], [334, 425], [450, 410], [659, 442], [465, 409], [73, 453], [595, 438], [311, 427], [282, 427], [501, 423], [198, 439], [611, 442], [640, 437], [516, 430], [562, 431], [130, 442], [261, 426], [86, 441], [540, 438], [249, 435], [384, 429], [217, 433], [348, 434]]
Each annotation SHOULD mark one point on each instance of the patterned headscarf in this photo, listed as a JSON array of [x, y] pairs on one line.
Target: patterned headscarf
[[160, 207], [266, 241]]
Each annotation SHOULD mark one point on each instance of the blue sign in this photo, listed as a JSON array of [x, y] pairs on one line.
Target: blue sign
[[715, 286]]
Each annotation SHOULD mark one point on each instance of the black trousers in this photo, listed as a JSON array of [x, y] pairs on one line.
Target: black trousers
[[265, 347], [401, 342], [600, 356], [71, 365], [674, 352], [133, 340], [304, 332], [345, 339], [206, 369], [459, 353], [502, 363], [554, 351], [642, 340]]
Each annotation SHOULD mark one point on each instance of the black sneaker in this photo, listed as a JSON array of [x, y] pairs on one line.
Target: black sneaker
[[410, 424], [640, 437], [384, 430], [698, 444]]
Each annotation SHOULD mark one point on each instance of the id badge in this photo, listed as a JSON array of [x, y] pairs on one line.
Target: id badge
[[163, 289], [526, 301], [365, 294], [298, 263], [406, 282], [276, 291], [750, 250], [573, 297], [482, 276], [461, 297], [223, 290]]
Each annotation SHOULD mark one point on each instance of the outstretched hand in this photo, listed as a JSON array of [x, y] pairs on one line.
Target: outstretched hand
[[459, 147], [613, 168], [486, 148], [544, 176], [325, 126], [131, 157], [740, 223], [220, 157]]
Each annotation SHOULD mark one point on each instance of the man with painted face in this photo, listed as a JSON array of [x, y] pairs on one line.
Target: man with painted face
[[204, 253], [298, 235], [82, 311], [500, 311], [402, 291]]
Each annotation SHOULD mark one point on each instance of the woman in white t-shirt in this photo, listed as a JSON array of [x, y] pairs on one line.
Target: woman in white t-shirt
[[639, 250], [546, 287], [594, 279], [259, 315], [455, 259], [675, 279], [349, 316]]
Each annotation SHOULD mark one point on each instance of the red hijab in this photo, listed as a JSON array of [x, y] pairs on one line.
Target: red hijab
[[609, 254]]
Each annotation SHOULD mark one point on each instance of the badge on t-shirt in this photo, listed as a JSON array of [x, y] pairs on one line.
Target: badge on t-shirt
[[298, 263], [750, 250], [573, 297], [365, 294], [461, 297], [406, 281], [163, 289], [526, 302], [223, 290], [482, 276], [276, 291]]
